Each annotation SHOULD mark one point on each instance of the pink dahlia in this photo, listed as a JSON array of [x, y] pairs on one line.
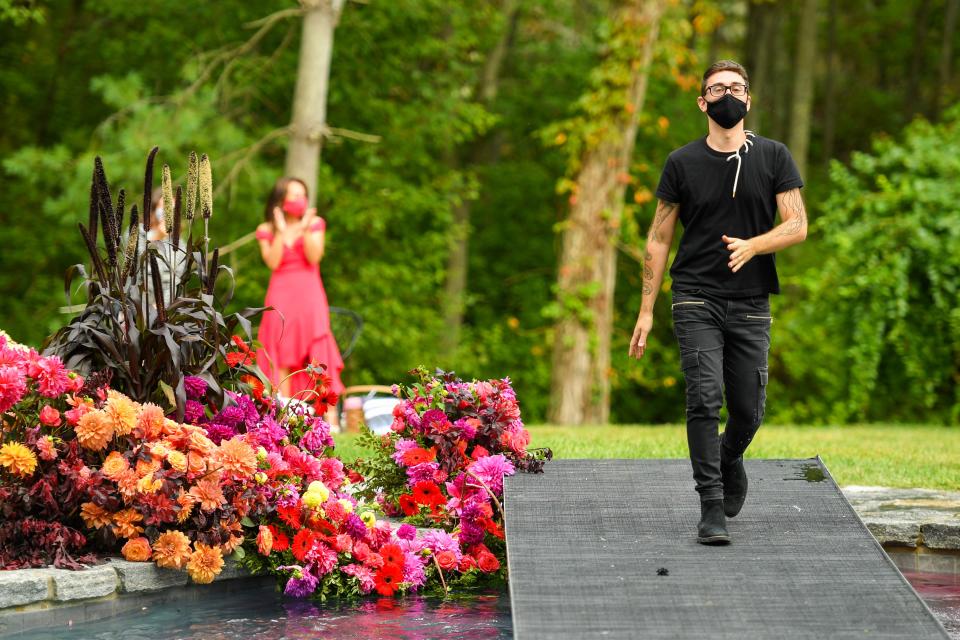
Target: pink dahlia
[[491, 470], [13, 385], [51, 376]]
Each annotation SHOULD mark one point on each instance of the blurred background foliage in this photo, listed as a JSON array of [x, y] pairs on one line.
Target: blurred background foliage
[[868, 327]]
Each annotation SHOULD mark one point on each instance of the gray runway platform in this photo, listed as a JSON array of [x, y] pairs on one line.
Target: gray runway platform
[[586, 538]]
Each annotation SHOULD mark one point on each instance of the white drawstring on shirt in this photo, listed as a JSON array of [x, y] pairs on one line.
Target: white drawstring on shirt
[[736, 154]]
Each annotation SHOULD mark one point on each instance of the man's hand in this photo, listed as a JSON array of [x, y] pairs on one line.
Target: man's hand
[[741, 252], [638, 343]]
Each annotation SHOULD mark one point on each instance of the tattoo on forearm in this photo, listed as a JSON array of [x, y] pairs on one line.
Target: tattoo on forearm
[[664, 210], [647, 273], [793, 201]]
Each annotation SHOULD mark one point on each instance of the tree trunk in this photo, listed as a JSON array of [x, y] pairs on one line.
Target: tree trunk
[[802, 102], [761, 35], [830, 90], [457, 260], [946, 54], [310, 97], [580, 388]]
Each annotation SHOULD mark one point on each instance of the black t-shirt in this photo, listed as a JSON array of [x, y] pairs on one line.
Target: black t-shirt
[[701, 181]]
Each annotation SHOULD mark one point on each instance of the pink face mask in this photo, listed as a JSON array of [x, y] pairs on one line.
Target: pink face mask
[[296, 207]]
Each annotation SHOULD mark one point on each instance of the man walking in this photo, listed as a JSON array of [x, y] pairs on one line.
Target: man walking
[[725, 189]]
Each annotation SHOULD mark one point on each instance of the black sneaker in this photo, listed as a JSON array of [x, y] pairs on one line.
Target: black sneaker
[[712, 528], [734, 486]]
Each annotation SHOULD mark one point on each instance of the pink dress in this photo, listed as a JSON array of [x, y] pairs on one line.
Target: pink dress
[[296, 331]]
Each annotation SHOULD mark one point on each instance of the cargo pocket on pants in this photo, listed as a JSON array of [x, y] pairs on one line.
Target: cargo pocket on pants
[[690, 363], [761, 395]]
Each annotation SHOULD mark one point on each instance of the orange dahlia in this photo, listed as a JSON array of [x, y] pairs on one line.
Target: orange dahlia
[[95, 516], [199, 442], [18, 459], [94, 430], [171, 550], [114, 466], [127, 483], [122, 411], [209, 494], [196, 463], [125, 523], [186, 502], [137, 550], [150, 422], [236, 457], [205, 563]]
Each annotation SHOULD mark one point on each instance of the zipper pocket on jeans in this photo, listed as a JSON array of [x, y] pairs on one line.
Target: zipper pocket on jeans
[[677, 304], [749, 317]]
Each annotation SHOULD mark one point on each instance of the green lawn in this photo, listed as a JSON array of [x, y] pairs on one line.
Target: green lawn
[[885, 455]]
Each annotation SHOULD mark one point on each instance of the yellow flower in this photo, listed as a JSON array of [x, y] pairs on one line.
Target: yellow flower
[[369, 519], [346, 504], [205, 563], [318, 488], [177, 460], [18, 459], [149, 484]]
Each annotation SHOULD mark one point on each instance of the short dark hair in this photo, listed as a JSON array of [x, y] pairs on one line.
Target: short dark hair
[[723, 65]]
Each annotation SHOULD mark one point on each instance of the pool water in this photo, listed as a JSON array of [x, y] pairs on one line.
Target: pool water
[[941, 592], [264, 614]]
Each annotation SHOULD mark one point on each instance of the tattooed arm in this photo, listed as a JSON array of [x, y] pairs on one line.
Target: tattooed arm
[[654, 265], [791, 230]]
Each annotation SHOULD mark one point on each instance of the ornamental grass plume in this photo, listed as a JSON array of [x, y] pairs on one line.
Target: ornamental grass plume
[[193, 179], [166, 188], [205, 563], [171, 550], [18, 459], [206, 187]]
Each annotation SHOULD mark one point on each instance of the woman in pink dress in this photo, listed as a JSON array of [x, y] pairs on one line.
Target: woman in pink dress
[[296, 332]]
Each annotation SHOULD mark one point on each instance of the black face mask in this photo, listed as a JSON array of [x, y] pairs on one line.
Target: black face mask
[[727, 111]]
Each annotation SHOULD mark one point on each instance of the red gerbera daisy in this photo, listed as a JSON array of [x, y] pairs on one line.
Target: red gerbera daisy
[[243, 356], [428, 493], [291, 515], [387, 579], [280, 540], [392, 554], [408, 505], [417, 455], [302, 544]]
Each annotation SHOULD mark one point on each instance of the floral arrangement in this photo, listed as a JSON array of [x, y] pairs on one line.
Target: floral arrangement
[[451, 445]]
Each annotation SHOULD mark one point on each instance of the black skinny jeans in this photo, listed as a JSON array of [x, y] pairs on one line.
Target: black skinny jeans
[[723, 347]]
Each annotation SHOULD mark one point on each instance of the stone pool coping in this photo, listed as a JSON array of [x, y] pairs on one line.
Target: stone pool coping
[[919, 529]]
